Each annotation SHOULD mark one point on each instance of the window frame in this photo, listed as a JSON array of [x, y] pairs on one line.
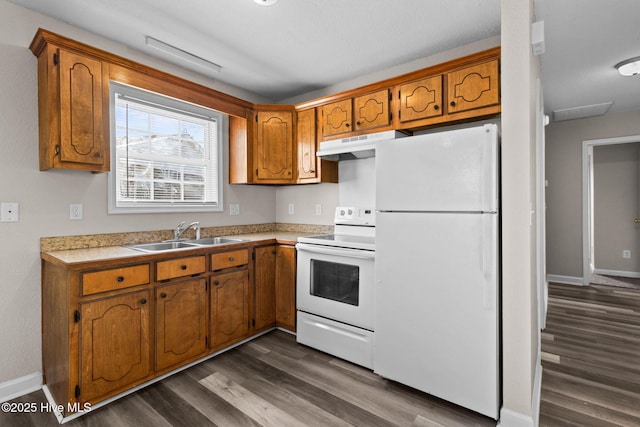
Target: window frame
[[172, 103]]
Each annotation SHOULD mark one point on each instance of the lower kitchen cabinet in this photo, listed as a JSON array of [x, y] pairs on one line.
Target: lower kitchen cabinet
[[229, 320], [285, 287], [181, 322], [265, 287], [111, 325], [115, 343]]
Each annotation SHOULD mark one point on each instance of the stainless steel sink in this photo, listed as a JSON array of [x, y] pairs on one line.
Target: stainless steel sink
[[162, 246], [212, 241], [184, 244]]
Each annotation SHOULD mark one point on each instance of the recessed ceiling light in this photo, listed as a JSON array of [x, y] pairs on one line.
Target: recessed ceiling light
[[629, 67], [265, 2]]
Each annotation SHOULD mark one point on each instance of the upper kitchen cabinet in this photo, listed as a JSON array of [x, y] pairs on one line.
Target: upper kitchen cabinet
[[420, 99], [473, 87], [359, 114], [311, 168], [274, 149], [72, 106]]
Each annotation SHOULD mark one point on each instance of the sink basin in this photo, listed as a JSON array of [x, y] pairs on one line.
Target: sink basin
[[212, 241], [162, 246]]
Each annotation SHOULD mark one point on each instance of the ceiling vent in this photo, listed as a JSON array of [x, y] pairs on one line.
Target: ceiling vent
[[582, 112]]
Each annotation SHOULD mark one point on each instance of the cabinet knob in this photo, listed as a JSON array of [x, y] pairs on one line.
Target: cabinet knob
[[183, 267], [358, 123], [143, 301], [216, 283], [232, 259], [452, 103], [436, 107], [120, 279], [163, 295], [347, 125]]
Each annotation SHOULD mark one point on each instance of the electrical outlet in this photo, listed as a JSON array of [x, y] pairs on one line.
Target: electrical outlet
[[75, 211], [9, 212], [291, 209], [626, 254], [318, 209], [234, 209]]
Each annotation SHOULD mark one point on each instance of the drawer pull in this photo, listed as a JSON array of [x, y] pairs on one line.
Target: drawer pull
[[163, 295], [120, 279], [232, 259], [143, 301], [183, 267]]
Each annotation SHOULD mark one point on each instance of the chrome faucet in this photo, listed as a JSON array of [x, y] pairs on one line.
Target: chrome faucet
[[181, 229]]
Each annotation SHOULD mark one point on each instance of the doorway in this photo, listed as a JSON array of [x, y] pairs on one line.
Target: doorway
[[613, 260]]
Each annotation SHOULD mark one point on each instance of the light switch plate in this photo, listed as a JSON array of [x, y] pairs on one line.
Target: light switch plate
[[9, 212], [234, 209], [75, 211]]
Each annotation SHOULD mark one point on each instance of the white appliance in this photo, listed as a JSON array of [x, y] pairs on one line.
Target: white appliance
[[335, 285], [437, 311], [354, 147]]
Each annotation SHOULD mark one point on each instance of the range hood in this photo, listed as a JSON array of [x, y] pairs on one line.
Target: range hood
[[355, 147]]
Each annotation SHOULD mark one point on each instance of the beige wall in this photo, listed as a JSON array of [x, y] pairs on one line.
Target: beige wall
[[564, 193], [519, 69], [616, 203]]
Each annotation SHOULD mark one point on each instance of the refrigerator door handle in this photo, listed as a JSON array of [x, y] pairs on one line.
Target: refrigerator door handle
[[489, 266], [489, 170]]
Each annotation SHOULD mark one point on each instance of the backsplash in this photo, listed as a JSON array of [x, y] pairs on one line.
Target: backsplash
[[88, 241]]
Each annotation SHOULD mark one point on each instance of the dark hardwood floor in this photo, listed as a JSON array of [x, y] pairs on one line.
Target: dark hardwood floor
[[270, 381], [591, 357]]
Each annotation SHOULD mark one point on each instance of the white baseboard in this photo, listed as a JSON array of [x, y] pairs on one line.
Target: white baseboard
[[509, 418], [567, 280], [537, 391], [20, 386], [632, 274]]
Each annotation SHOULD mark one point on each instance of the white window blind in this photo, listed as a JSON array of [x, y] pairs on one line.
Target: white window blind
[[165, 154]]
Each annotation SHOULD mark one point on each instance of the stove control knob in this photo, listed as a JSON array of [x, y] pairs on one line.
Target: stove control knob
[[342, 212]]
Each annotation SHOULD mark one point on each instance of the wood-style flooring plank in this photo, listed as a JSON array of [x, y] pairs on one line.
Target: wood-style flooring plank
[[591, 357], [271, 380]]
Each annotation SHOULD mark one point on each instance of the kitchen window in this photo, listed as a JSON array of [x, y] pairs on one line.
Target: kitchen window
[[166, 154]]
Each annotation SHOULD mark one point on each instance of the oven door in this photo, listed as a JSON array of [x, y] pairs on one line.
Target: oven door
[[336, 283]]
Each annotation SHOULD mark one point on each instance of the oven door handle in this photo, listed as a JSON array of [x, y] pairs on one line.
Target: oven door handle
[[328, 250]]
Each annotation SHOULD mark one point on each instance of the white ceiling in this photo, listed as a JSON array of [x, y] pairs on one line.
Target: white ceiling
[[584, 40], [297, 46]]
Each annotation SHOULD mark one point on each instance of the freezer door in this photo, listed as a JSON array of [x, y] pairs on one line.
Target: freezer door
[[437, 305], [446, 171]]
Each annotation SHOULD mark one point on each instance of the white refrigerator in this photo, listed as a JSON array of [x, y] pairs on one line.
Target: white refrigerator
[[437, 300]]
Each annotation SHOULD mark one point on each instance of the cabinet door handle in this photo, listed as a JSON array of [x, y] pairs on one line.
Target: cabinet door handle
[[120, 279], [163, 295], [143, 301], [183, 267]]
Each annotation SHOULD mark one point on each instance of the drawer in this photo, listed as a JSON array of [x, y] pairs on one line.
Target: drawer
[[180, 267], [115, 278], [229, 259]]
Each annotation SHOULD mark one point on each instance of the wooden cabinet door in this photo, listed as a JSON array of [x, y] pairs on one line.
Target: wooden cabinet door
[[82, 131], [474, 87], [229, 318], [286, 287], [265, 280], [306, 144], [181, 322], [421, 99], [371, 110], [274, 146], [115, 345], [337, 118]]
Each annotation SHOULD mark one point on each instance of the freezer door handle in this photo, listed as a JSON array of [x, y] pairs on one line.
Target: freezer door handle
[[489, 169], [489, 265]]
